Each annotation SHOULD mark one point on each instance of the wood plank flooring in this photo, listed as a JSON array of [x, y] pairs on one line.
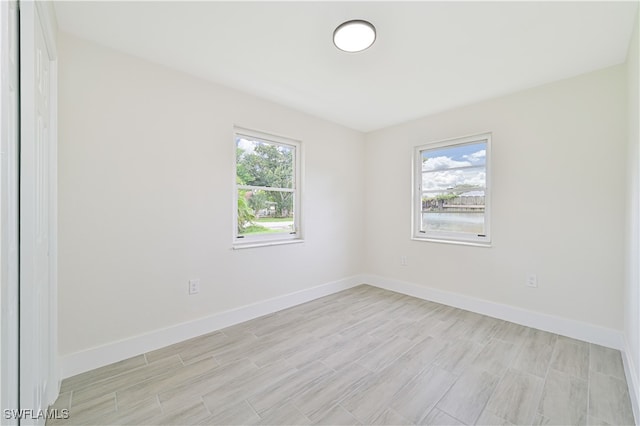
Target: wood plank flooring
[[361, 356]]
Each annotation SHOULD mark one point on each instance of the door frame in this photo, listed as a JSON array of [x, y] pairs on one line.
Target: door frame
[[32, 15], [9, 208]]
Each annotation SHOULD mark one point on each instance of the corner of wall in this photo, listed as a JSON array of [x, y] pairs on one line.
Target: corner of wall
[[631, 303]]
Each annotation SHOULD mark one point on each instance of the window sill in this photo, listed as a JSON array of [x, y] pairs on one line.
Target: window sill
[[455, 242], [255, 244]]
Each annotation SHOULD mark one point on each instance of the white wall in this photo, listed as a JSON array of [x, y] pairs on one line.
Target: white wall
[[558, 191], [632, 278], [146, 182], [145, 190]]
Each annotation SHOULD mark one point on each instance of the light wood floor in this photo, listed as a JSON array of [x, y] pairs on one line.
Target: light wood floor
[[361, 356]]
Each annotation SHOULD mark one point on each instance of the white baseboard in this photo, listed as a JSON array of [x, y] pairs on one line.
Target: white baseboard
[[558, 325], [633, 381], [99, 356]]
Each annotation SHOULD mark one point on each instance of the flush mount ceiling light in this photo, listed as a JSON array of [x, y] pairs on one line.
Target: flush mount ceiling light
[[354, 36]]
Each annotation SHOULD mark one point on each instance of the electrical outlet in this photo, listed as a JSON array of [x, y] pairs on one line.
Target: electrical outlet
[[532, 281], [404, 261], [194, 286]]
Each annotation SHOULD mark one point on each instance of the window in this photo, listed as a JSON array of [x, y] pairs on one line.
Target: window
[[267, 193], [451, 190]]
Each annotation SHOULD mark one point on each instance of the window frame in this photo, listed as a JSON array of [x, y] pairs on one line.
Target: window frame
[[416, 208], [269, 239]]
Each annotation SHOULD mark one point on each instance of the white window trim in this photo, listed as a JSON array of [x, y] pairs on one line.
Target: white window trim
[[269, 239], [416, 201]]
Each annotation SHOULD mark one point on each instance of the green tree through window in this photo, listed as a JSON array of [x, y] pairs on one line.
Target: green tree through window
[[266, 186]]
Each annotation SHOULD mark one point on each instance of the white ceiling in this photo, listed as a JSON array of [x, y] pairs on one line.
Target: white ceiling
[[428, 57]]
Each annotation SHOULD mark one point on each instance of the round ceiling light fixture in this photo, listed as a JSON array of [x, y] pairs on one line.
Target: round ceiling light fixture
[[354, 36]]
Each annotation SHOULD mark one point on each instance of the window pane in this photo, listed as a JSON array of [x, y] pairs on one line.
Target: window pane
[[446, 211], [456, 180], [265, 212], [456, 156], [453, 193], [261, 163], [469, 223]]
